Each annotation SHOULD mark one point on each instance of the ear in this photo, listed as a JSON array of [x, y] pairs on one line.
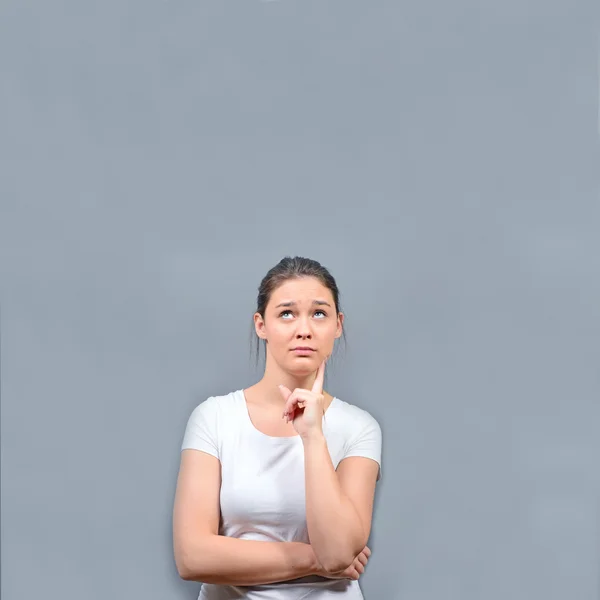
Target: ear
[[340, 325], [259, 326]]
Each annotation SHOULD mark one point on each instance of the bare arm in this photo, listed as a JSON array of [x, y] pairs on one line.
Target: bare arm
[[203, 555], [339, 505]]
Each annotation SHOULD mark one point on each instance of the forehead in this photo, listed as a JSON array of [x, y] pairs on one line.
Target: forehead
[[305, 288]]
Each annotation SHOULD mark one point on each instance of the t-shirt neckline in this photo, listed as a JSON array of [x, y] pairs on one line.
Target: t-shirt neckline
[[276, 439]]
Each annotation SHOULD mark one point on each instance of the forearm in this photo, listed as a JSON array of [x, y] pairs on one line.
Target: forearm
[[334, 527], [230, 561]]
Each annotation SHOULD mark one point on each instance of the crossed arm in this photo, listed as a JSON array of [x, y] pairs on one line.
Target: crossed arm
[[339, 511]]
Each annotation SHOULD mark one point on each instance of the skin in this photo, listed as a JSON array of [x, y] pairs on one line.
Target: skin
[[290, 400], [301, 312], [285, 327]]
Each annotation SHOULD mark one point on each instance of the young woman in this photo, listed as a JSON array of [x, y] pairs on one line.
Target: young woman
[[275, 491]]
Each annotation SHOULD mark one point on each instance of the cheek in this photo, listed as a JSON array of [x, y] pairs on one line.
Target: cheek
[[278, 335], [331, 329], [326, 336]]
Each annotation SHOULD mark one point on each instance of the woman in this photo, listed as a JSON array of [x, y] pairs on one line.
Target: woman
[[275, 491]]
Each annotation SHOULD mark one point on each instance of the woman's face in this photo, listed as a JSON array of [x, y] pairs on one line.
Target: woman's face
[[300, 325]]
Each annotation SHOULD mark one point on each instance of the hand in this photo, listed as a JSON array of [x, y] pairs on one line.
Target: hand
[[305, 408], [355, 570]]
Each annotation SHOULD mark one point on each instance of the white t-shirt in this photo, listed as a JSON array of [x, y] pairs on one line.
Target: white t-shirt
[[262, 484]]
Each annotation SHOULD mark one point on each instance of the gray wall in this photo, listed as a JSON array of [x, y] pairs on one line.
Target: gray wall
[[441, 158]]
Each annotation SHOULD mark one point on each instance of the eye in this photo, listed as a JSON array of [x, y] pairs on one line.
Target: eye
[[283, 313]]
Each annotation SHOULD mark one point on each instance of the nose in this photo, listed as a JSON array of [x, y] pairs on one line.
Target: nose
[[303, 331]]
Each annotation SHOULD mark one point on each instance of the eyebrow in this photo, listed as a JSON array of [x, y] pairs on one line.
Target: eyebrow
[[315, 303]]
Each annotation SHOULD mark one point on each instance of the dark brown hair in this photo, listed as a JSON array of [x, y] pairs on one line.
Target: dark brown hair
[[293, 268]]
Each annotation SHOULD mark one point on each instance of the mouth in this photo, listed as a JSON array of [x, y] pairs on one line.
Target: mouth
[[303, 350]]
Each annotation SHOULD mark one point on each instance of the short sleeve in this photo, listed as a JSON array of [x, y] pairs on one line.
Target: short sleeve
[[201, 429], [367, 441]]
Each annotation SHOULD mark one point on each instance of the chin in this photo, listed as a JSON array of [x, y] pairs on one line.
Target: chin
[[300, 366]]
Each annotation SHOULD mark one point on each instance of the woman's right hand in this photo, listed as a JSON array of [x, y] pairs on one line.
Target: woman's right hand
[[355, 570]]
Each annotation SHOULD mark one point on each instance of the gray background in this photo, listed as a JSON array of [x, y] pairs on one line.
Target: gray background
[[441, 158]]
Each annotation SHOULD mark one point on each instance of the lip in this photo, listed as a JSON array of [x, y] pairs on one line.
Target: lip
[[303, 350]]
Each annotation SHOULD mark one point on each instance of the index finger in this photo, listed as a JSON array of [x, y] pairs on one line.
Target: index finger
[[317, 387]]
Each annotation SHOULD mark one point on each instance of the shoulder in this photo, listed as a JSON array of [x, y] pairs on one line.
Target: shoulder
[[353, 418], [213, 406], [359, 430], [203, 430]]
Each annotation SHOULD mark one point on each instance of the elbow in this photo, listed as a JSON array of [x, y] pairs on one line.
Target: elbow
[[184, 574], [187, 569], [184, 569], [193, 558], [337, 563], [336, 566], [340, 561], [187, 573]]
